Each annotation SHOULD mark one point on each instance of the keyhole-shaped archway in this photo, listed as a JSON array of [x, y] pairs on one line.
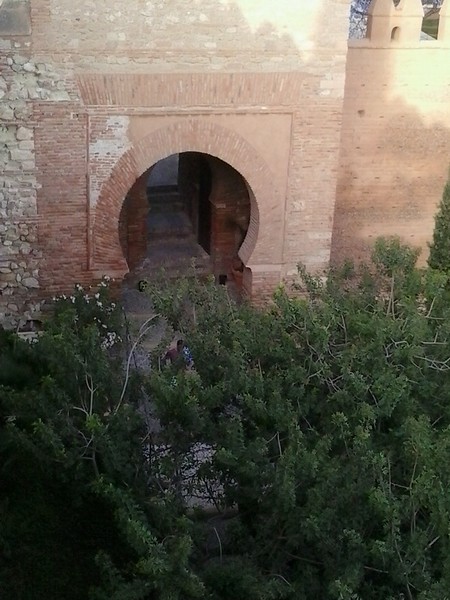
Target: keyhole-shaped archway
[[189, 208], [189, 135]]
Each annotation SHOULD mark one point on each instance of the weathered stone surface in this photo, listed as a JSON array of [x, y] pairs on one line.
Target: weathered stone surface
[[31, 282], [6, 112], [23, 133], [7, 134], [26, 145], [18, 59], [22, 112], [29, 67], [15, 18], [57, 96], [20, 155]]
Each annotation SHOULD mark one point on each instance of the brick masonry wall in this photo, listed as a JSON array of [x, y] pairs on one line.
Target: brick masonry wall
[[93, 94], [161, 136], [230, 216], [61, 163], [311, 189], [257, 85], [395, 148], [134, 219]]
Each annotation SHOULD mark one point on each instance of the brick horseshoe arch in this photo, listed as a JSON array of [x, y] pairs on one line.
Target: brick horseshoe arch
[[184, 136]]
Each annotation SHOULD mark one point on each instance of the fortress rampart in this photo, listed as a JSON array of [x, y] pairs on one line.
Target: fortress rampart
[[336, 142]]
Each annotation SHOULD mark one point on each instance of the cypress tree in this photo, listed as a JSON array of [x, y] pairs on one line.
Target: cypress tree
[[440, 247]]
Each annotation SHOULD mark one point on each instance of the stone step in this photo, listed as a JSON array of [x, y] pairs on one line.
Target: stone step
[[162, 225], [167, 206], [166, 201], [171, 258], [172, 265], [156, 258], [169, 273]]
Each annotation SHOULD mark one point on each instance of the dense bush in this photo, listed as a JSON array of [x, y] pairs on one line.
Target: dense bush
[[318, 428], [75, 496], [329, 418]]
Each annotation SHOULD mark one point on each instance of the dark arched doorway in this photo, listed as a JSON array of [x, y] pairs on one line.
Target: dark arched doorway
[[189, 208]]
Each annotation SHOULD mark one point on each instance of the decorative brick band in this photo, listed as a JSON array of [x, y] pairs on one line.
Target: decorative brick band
[[192, 89]]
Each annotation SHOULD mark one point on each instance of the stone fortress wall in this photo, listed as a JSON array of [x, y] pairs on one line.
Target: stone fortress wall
[[337, 142]]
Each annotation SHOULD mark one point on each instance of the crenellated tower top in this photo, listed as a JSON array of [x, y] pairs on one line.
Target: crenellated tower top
[[397, 24]]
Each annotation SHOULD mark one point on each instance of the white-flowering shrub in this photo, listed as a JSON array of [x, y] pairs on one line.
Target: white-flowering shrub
[[93, 308]]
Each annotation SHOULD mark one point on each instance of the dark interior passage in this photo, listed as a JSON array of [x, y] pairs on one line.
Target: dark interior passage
[[189, 208]]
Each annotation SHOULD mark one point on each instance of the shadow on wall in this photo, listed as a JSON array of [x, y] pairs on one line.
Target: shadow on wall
[[395, 149], [279, 35]]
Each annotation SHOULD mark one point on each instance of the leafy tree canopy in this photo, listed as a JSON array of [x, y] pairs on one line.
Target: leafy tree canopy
[[306, 455]]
